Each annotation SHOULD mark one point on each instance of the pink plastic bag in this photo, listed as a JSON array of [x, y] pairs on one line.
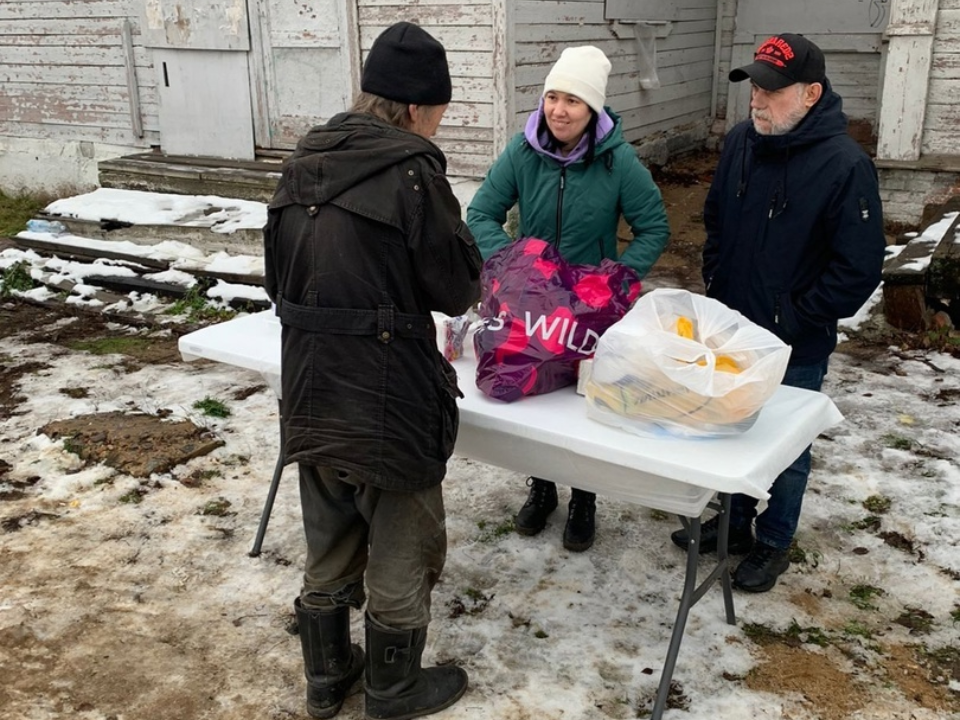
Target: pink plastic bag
[[541, 316]]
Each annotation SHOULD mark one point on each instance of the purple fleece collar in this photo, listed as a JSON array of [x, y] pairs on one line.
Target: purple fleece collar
[[604, 125]]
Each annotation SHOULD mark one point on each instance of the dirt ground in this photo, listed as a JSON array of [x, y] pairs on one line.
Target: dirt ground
[[140, 444]]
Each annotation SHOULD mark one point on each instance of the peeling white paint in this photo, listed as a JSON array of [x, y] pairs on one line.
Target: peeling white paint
[[153, 14]]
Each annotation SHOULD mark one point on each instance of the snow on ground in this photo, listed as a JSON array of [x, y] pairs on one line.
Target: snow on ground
[[543, 632], [165, 598]]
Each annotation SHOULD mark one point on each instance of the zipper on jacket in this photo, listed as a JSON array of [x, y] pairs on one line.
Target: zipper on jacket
[[563, 182], [776, 312]]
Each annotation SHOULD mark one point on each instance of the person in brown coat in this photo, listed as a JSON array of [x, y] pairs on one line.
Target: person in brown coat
[[363, 240]]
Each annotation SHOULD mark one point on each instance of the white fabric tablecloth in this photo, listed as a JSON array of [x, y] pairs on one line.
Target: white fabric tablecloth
[[551, 436]]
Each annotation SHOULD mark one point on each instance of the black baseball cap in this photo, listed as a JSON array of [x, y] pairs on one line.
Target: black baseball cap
[[783, 60]]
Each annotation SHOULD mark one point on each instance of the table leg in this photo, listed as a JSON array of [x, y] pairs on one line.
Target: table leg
[[268, 506], [686, 602], [723, 559], [271, 496], [693, 592]]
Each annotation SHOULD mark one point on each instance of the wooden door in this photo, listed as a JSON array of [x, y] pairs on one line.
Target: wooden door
[[200, 50], [305, 65]]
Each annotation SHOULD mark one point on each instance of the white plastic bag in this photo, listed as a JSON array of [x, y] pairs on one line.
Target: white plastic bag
[[647, 377], [452, 332]]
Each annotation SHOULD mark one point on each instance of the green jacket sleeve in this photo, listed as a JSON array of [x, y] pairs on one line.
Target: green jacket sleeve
[[488, 210], [643, 210]]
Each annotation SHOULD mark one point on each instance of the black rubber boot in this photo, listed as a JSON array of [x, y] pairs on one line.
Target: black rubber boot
[[581, 526], [331, 664], [396, 687], [541, 501], [739, 541]]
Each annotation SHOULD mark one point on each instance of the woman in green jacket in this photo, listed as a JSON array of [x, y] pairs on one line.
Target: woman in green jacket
[[572, 175]]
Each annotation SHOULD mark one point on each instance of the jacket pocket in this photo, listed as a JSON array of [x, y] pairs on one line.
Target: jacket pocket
[[471, 252], [449, 413], [784, 318]]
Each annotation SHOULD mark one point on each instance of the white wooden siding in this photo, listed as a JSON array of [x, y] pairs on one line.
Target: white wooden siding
[[724, 59], [685, 60], [941, 131], [63, 76], [466, 30]]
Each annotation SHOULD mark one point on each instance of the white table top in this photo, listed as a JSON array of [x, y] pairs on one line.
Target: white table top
[[551, 436]]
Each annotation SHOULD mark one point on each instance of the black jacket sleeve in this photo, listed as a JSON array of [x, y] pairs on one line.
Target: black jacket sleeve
[[443, 251]]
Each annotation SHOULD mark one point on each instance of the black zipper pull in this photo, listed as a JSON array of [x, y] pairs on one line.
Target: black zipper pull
[[773, 204]]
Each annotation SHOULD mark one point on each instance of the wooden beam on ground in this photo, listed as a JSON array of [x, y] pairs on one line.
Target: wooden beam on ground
[[86, 254]]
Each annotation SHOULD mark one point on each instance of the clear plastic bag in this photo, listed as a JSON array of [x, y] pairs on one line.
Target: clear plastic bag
[[685, 364]]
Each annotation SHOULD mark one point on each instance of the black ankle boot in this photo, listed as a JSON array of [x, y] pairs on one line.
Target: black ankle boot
[[758, 572], [739, 540], [397, 687], [331, 664], [541, 501], [581, 526]]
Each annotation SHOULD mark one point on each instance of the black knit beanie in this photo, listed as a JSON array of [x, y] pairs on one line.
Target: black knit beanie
[[408, 65]]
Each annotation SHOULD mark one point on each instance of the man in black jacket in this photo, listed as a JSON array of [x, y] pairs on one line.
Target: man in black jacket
[[363, 240], [794, 242]]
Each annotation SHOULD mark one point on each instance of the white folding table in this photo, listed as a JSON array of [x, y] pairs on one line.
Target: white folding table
[[551, 436]]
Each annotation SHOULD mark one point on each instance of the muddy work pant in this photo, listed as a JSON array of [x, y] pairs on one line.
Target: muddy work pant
[[395, 541]]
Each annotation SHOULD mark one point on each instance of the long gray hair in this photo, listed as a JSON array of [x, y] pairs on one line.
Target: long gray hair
[[391, 111]]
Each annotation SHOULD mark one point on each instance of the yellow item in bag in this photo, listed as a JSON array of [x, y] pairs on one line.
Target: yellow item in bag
[[725, 363], [685, 327]]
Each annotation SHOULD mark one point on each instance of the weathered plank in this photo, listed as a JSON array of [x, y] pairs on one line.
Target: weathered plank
[[73, 94], [63, 74], [428, 16], [945, 67], [102, 40], [65, 55], [113, 130], [635, 130], [948, 21], [465, 39], [698, 76], [83, 253], [57, 27], [941, 131], [943, 280], [535, 74], [50, 109], [944, 92], [563, 12], [400, 6], [904, 97], [582, 34], [639, 117], [64, 9]]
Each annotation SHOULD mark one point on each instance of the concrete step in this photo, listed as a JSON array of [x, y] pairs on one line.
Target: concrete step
[[156, 172], [243, 179]]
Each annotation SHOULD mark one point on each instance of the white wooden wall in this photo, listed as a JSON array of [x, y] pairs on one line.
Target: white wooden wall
[[63, 74], [728, 15], [685, 61], [941, 131], [465, 27]]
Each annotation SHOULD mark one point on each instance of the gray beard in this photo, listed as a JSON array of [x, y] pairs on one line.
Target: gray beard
[[789, 124]]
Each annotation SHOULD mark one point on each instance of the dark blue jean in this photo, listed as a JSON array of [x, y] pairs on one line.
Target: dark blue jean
[[777, 525]]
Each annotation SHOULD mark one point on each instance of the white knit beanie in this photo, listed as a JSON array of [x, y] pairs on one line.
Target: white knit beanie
[[581, 71]]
